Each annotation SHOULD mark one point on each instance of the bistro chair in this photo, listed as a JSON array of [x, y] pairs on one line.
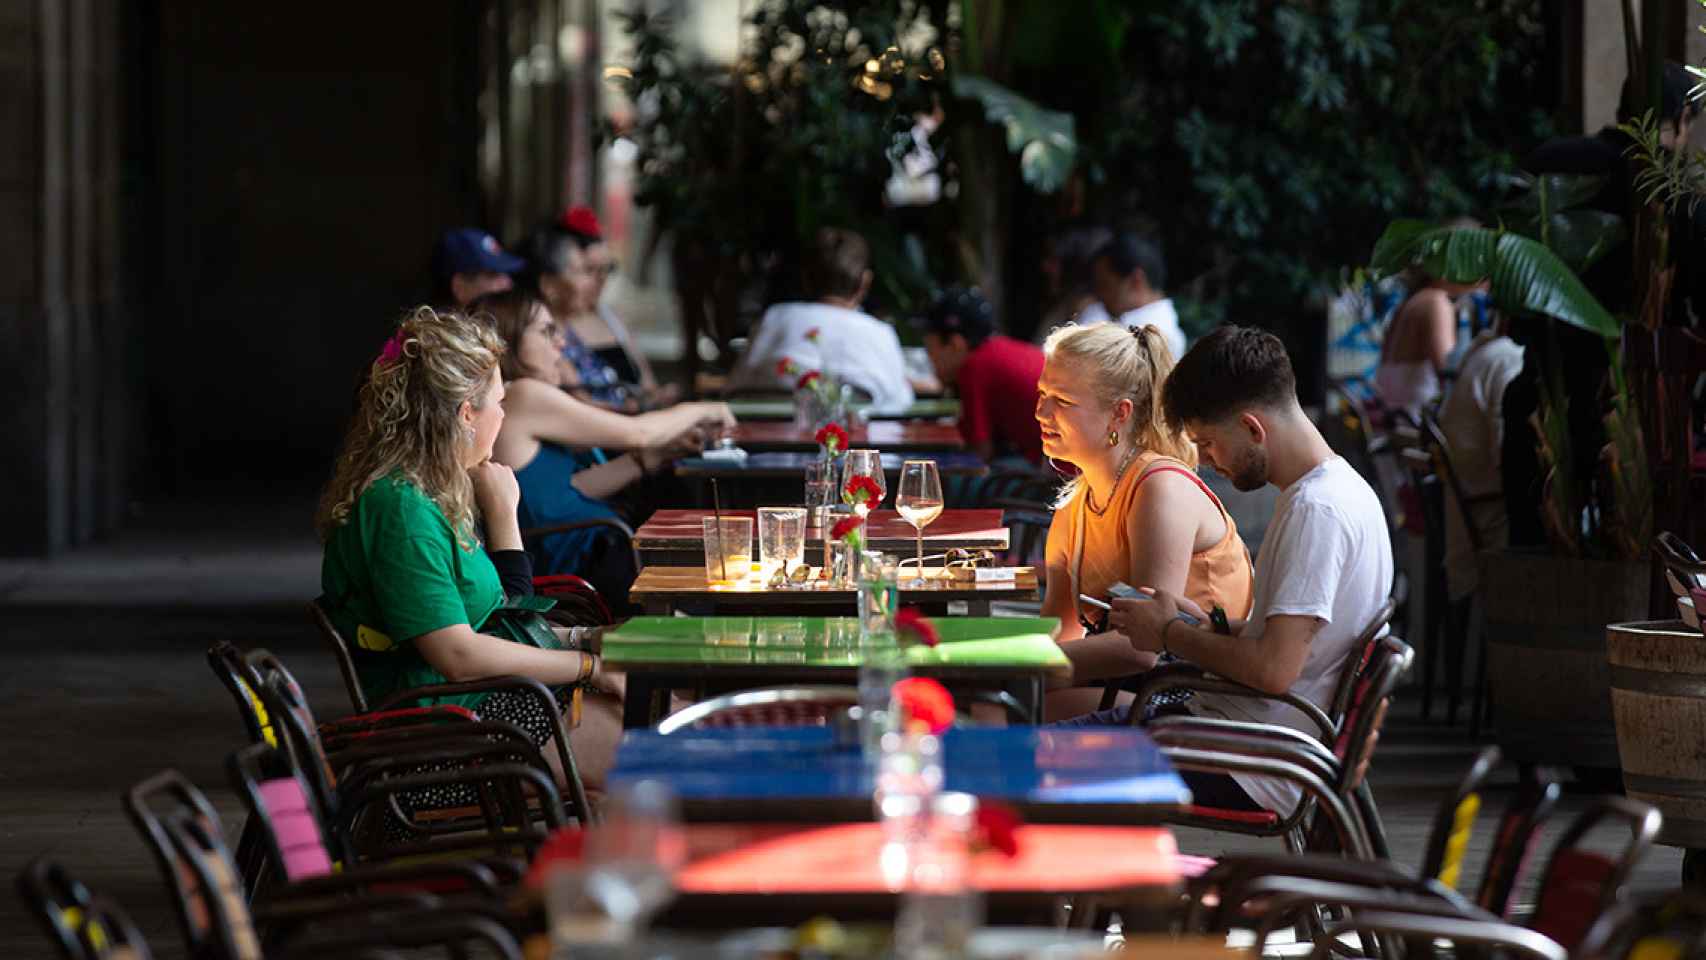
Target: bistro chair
[[184, 835], [1220, 897], [1671, 924], [800, 707], [273, 789], [1332, 779], [86, 926]]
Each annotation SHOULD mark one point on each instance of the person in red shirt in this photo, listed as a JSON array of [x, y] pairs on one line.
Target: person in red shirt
[[994, 375]]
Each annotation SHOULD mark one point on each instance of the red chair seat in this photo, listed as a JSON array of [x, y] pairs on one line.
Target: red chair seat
[[1255, 818]]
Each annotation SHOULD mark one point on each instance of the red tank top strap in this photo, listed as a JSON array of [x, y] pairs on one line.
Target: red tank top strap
[[1173, 466]]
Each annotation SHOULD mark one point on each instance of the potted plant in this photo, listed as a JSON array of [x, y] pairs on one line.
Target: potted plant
[[1545, 610]]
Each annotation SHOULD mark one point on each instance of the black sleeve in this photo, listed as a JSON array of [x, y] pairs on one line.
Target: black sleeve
[[515, 571]]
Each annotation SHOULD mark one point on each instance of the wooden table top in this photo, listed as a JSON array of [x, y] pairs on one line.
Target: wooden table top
[[899, 435], [885, 530], [689, 584]]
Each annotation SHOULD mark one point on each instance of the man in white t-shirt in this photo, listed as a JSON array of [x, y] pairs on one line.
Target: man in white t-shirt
[[830, 334], [1130, 276], [1325, 567]]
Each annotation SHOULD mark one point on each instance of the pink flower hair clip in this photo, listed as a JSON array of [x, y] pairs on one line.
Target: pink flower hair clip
[[393, 349]]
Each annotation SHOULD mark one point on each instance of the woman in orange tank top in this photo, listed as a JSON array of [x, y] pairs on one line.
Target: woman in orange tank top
[[1137, 513]]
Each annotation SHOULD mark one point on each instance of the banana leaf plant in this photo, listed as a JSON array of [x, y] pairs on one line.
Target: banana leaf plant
[[1527, 276]]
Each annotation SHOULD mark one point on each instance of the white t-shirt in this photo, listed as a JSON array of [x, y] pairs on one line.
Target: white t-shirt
[[1472, 419], [1327, 554], [1164, 317], [853, 347]]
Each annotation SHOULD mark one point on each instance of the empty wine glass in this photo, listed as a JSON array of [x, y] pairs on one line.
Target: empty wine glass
[[632, 855], [865, 463], [919, 500]]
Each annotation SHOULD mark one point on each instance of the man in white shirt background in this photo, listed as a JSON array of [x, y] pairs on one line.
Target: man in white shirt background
[[830, 333], [1130, 281], [1472, 420], [1325, 566]]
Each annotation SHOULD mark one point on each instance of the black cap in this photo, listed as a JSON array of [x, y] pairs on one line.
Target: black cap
[[964, 311]]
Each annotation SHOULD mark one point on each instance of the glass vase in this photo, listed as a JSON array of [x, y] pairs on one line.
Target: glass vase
[[940, 908]]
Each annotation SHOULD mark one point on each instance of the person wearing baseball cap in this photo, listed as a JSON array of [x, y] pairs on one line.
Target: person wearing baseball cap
[[469, 263]]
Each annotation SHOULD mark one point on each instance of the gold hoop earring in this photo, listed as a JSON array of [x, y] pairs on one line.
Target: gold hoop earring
[[1113, 438]]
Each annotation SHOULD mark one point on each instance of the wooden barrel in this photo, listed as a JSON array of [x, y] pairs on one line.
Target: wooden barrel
[[1658, 692], [1545, 622]]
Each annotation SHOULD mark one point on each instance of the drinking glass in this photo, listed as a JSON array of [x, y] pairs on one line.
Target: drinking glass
[[728, 549], [632, 855], [919, 500], [866, 463], [781, 540], [820, 490]]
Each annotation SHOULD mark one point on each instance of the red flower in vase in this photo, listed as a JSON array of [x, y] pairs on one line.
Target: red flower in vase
[[846, 527], [997, 827], [786, 367], [811, 377], [831, 437], [814, 333], [910, 622], [925, 705], [562, 848], [862, 490]]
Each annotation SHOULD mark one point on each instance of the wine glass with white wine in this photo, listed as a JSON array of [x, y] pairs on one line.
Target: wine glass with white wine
[[919, 500]]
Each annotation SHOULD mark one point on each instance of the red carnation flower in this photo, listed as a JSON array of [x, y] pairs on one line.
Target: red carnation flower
[[583, 221], [997, 827], [863, 490], [562, 848], [846, 526], [814, 333], [786, 367], [909, 621], [925, 705], [811, 377], [831, 437]]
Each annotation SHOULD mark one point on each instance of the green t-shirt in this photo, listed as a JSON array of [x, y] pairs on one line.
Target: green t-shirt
[[393, 572]]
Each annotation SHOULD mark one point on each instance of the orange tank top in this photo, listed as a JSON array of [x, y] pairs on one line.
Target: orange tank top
[[1099, 547]]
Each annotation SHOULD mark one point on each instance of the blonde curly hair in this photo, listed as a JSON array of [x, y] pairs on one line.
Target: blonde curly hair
[[408, 418]]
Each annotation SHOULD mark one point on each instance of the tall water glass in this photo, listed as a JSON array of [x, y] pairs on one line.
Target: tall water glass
[[866, 463], [919, 500], [820, 490], [633, 853], [728, 549], [781, 540]]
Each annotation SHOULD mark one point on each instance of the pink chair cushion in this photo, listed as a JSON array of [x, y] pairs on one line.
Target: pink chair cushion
[[295, 829]]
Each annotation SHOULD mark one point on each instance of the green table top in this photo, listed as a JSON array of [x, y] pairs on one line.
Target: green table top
[[969, 644], [758, 408]]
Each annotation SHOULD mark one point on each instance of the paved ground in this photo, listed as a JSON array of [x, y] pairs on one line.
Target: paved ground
[[102, 682]]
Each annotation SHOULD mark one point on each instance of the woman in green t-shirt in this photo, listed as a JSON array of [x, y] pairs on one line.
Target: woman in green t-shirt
[[405, 573]]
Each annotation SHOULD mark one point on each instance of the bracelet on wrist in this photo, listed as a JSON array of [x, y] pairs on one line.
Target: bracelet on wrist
[[1166, 627]]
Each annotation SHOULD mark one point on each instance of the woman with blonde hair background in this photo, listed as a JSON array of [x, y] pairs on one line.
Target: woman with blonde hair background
[[414, 505], [1137, 513]]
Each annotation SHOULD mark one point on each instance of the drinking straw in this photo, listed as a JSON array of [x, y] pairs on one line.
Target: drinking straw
[[717, 510]]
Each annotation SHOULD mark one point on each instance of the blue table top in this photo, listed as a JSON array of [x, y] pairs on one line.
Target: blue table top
[[1025, 766]]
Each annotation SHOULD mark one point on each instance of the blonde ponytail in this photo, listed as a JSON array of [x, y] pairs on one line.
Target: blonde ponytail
[[1120, 364]]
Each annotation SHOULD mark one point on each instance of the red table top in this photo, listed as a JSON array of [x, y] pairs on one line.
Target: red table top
[[686, 527], [843, 859], [881, 435]]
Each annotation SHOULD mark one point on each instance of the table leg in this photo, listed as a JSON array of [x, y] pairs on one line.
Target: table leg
[[656, 607], [639, 707], [977, 608]]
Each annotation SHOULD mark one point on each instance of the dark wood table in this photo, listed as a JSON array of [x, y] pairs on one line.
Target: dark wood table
[[898, 435], [664, 590], [949, 463], [676, 538], [1016, 655]]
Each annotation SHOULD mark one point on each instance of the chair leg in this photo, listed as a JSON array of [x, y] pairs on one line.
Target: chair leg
[[1433, 624], [1481, 707], [1457, 635]]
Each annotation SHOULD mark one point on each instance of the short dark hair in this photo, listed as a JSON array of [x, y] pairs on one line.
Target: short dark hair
[[961, 310], [836, 263], [546, 250], [1674, 102], [1231, 369], [1129, 252]]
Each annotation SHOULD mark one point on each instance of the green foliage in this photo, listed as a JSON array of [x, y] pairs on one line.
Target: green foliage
[[1524, 276], [1045, 140], [1548, 209], [1670, 178], [1271, 141]]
